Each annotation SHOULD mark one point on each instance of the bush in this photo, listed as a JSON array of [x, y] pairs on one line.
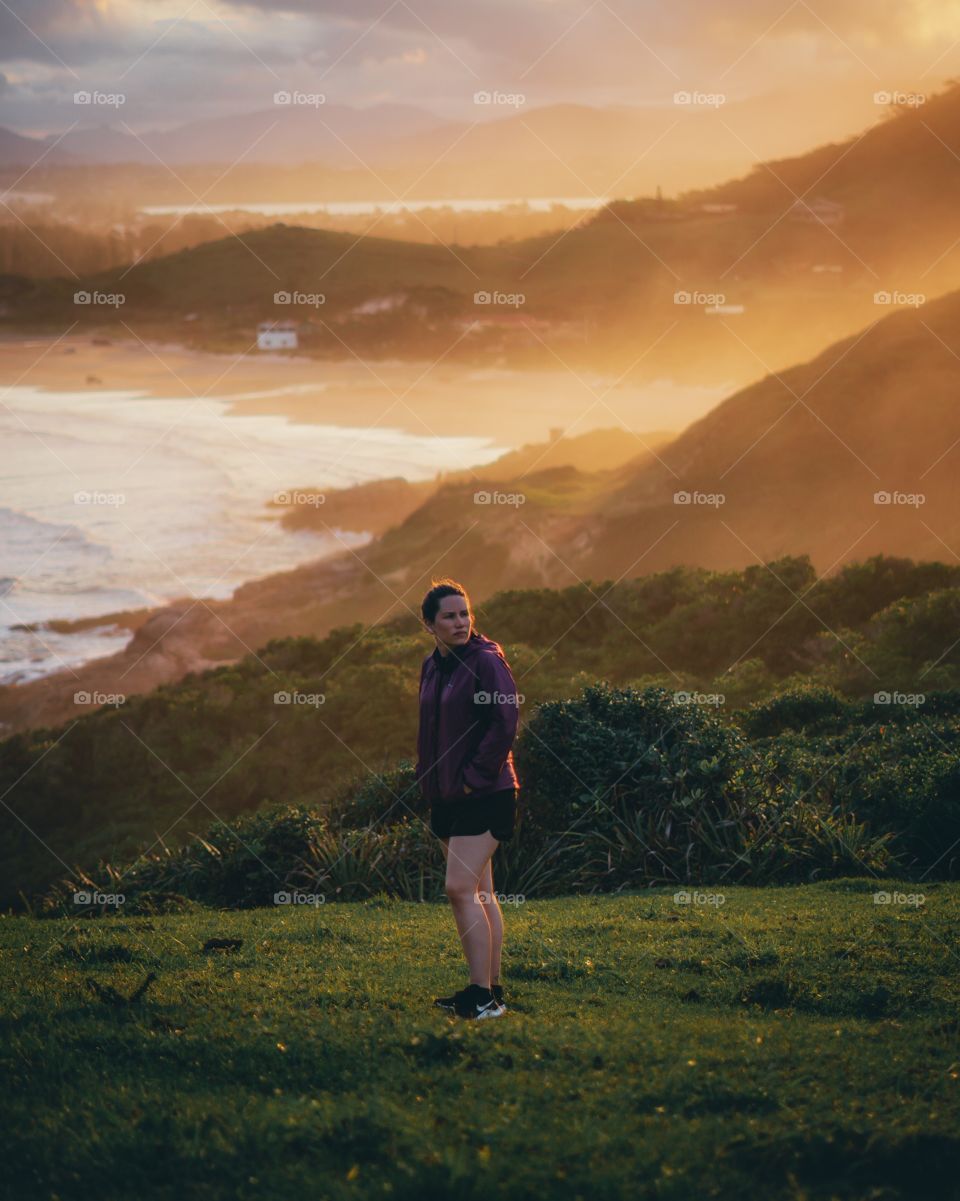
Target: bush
[[808, 709], [390, 797], [635, 766]]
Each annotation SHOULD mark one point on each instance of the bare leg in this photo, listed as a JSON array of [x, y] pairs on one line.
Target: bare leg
[[494, 919], [467, 859]]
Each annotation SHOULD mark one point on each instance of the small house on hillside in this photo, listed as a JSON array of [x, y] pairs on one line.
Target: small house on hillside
[[277, 335], [817, 212]]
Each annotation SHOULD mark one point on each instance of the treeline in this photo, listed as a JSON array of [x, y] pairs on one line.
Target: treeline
[[307, 721], [36, 248], [40, 249]]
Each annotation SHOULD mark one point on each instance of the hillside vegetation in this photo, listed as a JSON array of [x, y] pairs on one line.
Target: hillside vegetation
[[144, 776]]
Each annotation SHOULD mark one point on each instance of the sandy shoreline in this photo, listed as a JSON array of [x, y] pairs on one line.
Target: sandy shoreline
[[509, 407]]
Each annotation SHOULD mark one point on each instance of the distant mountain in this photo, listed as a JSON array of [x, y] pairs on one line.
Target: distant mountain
[[617, 150], [501, 149], [19, 151], [334, 134]]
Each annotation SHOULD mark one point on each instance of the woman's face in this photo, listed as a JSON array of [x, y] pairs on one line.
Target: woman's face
[[453, 621]]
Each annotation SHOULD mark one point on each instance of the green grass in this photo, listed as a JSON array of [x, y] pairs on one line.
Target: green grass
[[794, 1043]]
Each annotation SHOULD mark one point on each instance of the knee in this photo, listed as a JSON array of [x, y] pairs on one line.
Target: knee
[[460, 892]]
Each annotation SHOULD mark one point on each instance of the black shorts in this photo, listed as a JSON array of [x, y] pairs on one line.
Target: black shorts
[[475, 813]]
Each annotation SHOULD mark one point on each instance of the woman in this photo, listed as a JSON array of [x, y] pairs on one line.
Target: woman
[[468, 720]]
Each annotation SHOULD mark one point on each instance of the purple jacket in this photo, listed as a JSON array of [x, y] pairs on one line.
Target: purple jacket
[[468, 719]]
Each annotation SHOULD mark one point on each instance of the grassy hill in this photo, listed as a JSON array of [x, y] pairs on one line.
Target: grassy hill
[[805, 1036]]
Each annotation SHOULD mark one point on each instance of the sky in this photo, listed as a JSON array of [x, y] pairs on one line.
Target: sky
[[180, 60]]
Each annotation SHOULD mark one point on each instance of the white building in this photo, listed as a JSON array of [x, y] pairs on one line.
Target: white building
[[817, 212], [724, 309], [277, 335], [379, 304]]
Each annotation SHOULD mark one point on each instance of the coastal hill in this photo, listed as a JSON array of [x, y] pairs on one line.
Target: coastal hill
[[376, 506]]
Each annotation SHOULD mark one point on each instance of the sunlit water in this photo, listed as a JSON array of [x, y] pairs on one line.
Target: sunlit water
[[176, 491], [357, 208]]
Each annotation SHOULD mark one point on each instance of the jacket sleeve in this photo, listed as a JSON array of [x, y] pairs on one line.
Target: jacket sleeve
[[494, 677], [417, 769]]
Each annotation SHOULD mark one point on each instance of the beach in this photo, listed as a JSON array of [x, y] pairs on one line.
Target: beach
[[420, 398]]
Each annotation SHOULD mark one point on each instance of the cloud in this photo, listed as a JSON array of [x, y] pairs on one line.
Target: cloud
[[179, 62]]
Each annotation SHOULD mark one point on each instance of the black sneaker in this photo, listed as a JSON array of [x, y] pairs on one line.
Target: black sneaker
[[477, 1002], [449, 1003]]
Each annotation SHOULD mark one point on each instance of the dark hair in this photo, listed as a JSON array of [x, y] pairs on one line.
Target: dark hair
[[439, 589]]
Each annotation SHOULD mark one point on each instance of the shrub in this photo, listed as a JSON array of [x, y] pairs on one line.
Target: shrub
[[811, 709], [615, 760]]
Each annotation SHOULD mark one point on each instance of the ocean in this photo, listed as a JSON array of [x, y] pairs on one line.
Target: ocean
[[116, 500]]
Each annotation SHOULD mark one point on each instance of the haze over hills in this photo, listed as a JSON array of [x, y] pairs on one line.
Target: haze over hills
[[800, 458], [334, 134], [508, 149], [604, 295]]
